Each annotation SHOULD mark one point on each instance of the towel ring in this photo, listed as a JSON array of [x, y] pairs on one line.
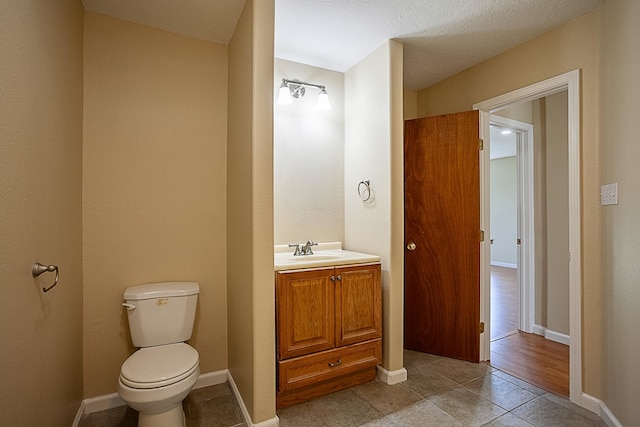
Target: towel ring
[[38, 269], [364, 190]]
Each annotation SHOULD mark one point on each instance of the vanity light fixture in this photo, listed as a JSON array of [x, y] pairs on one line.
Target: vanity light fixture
[[290, 89]]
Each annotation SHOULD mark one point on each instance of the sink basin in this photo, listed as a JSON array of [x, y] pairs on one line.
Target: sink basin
[[315, 257], [321, 258]]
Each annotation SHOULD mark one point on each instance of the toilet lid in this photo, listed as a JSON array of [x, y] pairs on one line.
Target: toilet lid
[[152, 367]]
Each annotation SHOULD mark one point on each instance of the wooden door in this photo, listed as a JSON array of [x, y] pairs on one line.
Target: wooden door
[[305, 312], [442, 234], [358, 304]]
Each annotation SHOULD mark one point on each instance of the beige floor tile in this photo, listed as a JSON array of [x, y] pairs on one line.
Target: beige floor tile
[[430, 397], [460, 371], [544, 413], [387, 398], [427, 382], [517, 381], [575, 408], [302, 414], [467, 407], [500, 391], [344, 408], [507, 420], [421, 414], [415, 358]]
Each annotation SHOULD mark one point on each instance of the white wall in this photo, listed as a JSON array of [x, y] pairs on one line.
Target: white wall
[[308, 159], [504, 211]]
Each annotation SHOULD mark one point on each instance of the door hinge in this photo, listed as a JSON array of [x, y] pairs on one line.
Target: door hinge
[[482, 235], [482, 327], [481, 144]]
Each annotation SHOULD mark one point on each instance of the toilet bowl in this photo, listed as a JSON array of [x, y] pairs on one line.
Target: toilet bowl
[[156, 378]]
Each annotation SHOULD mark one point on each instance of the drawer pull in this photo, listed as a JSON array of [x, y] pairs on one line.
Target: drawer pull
[[334, 364]]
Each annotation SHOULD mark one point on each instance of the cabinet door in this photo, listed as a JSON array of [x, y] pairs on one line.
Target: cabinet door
[[305, 312], [358, 304]]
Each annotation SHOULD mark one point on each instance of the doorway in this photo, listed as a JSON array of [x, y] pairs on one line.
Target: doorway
[[570, 83], [505, 210], [512, 226]]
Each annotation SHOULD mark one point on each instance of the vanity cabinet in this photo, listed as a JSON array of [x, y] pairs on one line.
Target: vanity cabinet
[[329, 329]]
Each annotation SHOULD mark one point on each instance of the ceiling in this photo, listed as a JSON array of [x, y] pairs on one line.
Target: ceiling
[[440, 37], [502, 144]]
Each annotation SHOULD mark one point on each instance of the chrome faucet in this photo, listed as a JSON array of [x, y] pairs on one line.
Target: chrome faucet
[[303, 249], [306, 249]]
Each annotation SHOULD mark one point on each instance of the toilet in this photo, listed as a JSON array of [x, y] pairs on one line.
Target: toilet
[[156, 378]]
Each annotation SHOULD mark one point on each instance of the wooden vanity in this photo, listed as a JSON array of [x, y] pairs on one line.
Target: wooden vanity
[[329, 329]]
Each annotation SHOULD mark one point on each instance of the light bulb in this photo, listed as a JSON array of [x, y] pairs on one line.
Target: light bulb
[[323, 101], [284, 95]]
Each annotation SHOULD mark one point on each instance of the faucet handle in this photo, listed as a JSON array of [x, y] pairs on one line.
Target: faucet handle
[[297, 251]]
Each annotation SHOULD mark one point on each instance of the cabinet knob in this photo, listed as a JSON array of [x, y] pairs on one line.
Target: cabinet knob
[[334, 364], [338, 277], [411, 246]]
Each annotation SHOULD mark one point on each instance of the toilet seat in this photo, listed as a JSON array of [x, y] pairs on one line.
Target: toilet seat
[[153, 367]]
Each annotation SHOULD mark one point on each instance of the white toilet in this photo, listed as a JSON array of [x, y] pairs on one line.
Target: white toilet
[[155, 379]]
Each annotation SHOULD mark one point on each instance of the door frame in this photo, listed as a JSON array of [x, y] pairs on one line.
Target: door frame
[[526, 199], [570, 82]]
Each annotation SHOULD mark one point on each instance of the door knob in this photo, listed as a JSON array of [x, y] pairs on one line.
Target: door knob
[[411, 246]]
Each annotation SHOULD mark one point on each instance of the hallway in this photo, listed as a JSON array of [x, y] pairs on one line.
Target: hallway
[[529, 357]]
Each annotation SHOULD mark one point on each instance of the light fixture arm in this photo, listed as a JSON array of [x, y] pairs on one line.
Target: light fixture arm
[[290, 89], [299, 83]]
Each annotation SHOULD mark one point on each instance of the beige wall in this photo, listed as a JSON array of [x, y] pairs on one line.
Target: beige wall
[[410, 104], [574, 45], [40, 211], [556, 317], [308, 162], [251, 301], [620, 107], [373, 151], [154, 183]]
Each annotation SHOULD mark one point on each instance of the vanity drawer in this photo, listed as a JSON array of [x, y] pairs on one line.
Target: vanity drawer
[[311, 369]]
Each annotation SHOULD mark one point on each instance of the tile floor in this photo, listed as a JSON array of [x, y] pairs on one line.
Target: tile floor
[[438, 392]]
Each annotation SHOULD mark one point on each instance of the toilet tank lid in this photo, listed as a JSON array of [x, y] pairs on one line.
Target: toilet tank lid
[[161, 290]]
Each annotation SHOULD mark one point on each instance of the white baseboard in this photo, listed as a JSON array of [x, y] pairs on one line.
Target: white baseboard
[[503, 264], [76, 421], [273, 422], [608, 417], [551, 335], [598, 406], [97, 404], [102, 403], [538, 330], [391, 377], [211, 378], [113, 400]]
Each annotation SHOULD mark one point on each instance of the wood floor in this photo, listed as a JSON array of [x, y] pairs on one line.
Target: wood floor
[[530, 357], [504, 302]]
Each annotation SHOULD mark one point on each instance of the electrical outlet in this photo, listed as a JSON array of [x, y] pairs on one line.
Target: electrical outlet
[[609, 194]]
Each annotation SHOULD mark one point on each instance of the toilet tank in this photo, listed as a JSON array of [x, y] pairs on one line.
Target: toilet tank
[[161, 313]]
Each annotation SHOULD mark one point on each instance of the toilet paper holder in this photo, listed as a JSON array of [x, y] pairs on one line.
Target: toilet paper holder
[[38, 269]]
